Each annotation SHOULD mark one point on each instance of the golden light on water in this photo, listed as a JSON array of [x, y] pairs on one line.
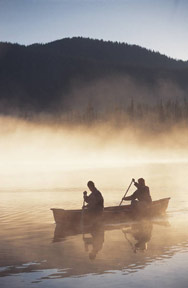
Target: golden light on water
[[44, 166]]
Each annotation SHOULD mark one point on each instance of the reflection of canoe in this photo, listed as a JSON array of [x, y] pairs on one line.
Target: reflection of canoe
[[61, 232], [111, 214]]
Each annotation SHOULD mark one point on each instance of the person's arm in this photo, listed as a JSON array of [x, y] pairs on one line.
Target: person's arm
[[91, 200], [131, 197], [86, 198], [136, 184], [128, 198]]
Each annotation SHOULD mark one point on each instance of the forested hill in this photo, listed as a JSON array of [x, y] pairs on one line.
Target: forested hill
[[110, 52], [58, 76]]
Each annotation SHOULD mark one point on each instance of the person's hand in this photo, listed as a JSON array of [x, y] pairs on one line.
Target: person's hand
[[85, 193], [133, 180]]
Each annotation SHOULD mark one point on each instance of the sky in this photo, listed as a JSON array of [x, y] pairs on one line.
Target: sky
[[159, 25]]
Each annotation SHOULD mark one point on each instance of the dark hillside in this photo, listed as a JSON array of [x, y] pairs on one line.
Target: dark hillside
[[58, 76]]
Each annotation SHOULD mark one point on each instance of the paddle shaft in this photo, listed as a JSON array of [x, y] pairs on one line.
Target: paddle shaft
[[126, 192], [82, 217]]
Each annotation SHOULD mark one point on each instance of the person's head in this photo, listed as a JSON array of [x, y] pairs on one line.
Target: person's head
[[91, 186], [141, 182]]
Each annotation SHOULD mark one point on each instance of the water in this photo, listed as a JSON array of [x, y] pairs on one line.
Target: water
[[34, 252]]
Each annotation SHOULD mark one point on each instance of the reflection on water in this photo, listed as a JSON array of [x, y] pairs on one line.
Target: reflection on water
[[95, 240], [141, 233], [33, 250], [100, 250], [137, 234]]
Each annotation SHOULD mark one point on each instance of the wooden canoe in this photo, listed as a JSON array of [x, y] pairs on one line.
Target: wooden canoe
[[113, 214]]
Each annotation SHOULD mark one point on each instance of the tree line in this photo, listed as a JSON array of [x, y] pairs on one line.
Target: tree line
[[41, 78]]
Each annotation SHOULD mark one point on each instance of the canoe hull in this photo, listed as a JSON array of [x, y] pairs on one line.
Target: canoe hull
[[114, 214]]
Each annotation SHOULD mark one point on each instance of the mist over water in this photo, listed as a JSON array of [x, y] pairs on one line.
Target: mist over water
[[39, 155], [47, 165]]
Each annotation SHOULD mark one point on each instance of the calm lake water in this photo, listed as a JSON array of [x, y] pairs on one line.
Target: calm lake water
[[34, 252]]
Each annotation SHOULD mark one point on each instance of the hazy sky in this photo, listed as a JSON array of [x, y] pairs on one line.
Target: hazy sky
[[161, 25]]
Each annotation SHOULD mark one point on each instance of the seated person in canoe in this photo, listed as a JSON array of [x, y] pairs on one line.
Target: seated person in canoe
[[95, 200], [141, 197]]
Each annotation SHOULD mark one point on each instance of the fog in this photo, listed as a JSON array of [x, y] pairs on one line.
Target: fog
[[39, 155], [110, 92]]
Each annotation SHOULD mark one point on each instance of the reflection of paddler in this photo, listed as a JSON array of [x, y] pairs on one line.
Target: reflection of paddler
[[95, 241], [141, 232]]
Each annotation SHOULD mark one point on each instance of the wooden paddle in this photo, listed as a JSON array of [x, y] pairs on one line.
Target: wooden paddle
[[132, 181]]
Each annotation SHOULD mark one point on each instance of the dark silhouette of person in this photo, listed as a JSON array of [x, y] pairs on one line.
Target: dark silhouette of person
[[141, 195], [95, 241], [95, 201]]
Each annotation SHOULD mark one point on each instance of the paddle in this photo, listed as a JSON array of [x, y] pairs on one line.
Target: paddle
[[127, 191], [82, 215]]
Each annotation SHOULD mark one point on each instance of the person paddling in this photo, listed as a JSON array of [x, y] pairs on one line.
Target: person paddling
[[141, 195], [95, 200]]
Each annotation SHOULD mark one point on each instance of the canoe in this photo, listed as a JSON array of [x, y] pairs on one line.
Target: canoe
[[113, 214]]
